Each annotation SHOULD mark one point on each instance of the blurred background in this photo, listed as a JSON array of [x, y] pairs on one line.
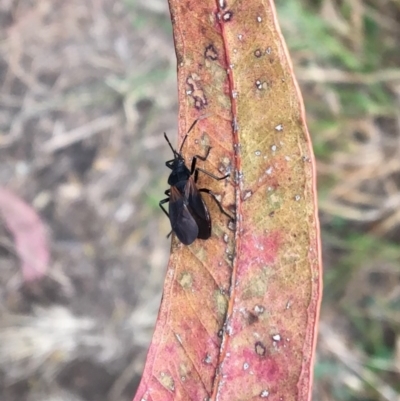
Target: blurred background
[[86, 90]]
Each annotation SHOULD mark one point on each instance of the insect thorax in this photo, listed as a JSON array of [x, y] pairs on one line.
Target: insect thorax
[[179, 173]]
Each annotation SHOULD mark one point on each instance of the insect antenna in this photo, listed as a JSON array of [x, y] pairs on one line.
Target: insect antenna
[[169, 143], [187, 134]]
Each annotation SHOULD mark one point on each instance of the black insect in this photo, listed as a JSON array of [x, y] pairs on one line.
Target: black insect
[[188, 213]]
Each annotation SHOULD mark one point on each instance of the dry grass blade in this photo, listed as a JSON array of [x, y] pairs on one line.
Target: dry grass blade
[[352, 360], [61, 141]]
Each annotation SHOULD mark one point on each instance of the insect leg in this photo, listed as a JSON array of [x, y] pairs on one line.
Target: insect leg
[[194, 161], [168, 163], [209, 174], [168, 193], [204, 158], [208, 191], [193, 166], [195, 170], [164, 201]]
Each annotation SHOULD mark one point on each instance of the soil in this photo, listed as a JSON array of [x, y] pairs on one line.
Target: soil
[[81, 117]]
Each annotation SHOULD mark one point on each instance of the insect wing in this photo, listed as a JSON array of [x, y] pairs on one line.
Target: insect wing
[[198, 209], [182, 222]]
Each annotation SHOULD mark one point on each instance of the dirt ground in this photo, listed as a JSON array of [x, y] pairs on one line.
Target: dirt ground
[[86, 91], [103, 73]]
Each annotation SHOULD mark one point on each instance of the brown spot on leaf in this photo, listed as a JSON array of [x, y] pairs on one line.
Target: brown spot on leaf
[[252, 318], [258, 53], [211, 53], [196, 91], [260, 348], [179, 58]]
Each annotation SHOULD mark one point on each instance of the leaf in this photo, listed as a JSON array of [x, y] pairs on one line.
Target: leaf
[[29, 234], [239, 312]]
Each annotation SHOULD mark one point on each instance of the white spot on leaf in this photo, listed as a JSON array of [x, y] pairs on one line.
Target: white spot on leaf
[[247, 195]]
